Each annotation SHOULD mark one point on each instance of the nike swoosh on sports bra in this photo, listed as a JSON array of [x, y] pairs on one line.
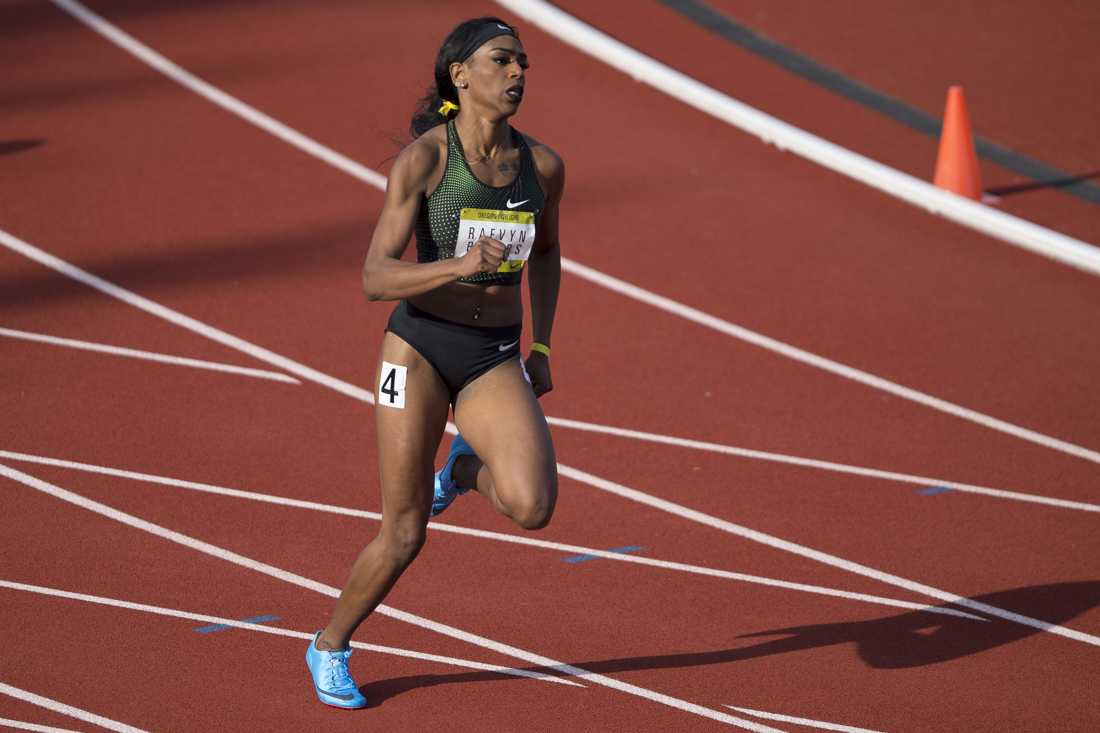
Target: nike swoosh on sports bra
[[437, 222]]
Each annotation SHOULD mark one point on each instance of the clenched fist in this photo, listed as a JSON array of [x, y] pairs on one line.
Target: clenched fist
[[538, 373], [484, 256]]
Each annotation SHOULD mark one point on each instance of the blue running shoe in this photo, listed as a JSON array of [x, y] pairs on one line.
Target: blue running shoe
[[331, 680], [445, 487]]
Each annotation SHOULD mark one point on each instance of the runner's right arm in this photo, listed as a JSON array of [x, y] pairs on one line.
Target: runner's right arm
[[385, 275]]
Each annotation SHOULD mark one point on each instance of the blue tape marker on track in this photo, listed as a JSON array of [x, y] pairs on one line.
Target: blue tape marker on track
[[933, 490], [575, 559], [222, 627]]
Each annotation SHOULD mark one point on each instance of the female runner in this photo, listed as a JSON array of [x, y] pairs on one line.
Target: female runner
[[482, 199]]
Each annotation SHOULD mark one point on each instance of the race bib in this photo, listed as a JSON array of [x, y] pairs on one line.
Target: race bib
[[515, 229]]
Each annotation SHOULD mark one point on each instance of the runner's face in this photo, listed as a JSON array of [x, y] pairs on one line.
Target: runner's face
[[496, 73]]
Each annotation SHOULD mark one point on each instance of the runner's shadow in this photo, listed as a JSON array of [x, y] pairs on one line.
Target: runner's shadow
[[380, 691], [917, 639], [913, 639]]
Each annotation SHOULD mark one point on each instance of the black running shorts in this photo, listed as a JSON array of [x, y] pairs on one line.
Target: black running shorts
[[459, 353]]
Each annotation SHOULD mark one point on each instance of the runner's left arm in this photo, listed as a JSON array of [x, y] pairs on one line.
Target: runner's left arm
[[544, 268]]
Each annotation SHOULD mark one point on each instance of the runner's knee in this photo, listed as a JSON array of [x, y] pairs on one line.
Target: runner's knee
[[533, 510], [404, 537]]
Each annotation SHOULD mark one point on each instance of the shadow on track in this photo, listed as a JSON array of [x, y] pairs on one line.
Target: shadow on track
[[336, 250], [379, 692], [10, 147], [106, 83], [911, 639], [1003, 191], [21, 17], [916, 639]]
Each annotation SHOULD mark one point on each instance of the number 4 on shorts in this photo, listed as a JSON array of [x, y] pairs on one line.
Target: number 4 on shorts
[[391, 387]]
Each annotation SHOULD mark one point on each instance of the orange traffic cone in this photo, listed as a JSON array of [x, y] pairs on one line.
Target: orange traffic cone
[[957, 163]]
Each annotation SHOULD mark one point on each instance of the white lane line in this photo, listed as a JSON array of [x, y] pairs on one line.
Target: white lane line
[[828, 365], [218, 97], [276, 631], [147, 355], [129, 44], [72, 712], [610, 430], [20, 725], [351, 390], [730, 450], [363, 173], [488, 535], [186, 322], [373, 178], [294, 579], [809, 722], [822, 557], [784, 136]]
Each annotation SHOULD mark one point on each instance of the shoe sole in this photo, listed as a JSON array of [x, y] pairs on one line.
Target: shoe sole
[[342, 705]]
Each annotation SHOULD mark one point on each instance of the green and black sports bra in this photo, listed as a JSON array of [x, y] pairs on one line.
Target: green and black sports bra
[[506, 212]]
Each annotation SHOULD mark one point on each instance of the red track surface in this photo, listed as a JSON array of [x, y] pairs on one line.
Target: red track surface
[[1026, 70], [159, 191]]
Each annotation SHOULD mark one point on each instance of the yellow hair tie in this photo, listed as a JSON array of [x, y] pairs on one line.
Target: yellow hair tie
[[447, 107], [541, 348]]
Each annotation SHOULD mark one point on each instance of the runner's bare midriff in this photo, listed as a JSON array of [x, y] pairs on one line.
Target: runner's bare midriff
[[497, 305]]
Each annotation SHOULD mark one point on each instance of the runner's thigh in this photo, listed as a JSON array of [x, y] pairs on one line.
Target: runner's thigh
[[502, 421], [411, 413]]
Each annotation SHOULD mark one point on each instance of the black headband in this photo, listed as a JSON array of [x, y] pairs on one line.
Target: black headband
[[491, 29]]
